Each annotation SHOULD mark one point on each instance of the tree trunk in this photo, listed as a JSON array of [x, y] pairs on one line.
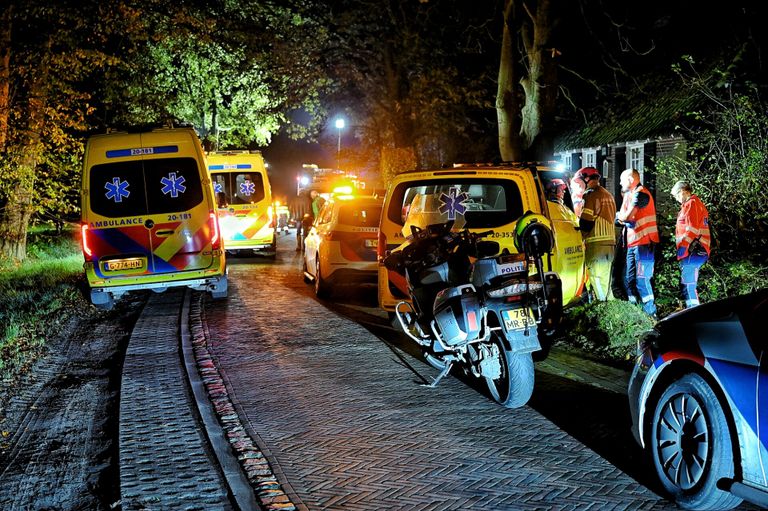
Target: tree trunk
[[5, 73], [507, 98], [525, 102], [15, 216], [540, 85]]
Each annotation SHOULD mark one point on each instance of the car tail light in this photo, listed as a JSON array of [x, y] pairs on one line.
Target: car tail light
[[215, 237], [381, 248], [86, 249]]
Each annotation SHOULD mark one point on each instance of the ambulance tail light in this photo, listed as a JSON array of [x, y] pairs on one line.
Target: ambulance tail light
[[272, 216], [381, 248], [215, 236], [86, 248]]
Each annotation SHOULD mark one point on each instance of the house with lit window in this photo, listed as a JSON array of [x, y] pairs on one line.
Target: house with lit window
[[638, 138]]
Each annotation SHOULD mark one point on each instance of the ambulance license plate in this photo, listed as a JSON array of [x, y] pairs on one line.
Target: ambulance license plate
[[371, 243], [518, 319], [123, 264]]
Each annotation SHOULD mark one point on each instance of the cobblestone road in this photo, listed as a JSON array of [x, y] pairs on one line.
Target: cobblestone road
[[340, 415]]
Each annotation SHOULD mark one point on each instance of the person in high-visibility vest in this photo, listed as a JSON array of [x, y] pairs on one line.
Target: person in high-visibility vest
[[598, 231], [692, 238], [638, 218]]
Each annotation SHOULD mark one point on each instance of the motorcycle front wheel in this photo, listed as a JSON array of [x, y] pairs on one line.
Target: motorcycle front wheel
[[514, 386]]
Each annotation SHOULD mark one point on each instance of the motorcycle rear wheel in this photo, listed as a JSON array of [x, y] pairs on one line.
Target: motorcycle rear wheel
[[514, 387]]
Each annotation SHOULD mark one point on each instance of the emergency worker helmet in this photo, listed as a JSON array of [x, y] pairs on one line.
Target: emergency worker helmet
[[587, 173], [556, 185]]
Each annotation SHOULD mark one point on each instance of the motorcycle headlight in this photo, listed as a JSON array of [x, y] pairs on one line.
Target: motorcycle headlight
[[514, 288]]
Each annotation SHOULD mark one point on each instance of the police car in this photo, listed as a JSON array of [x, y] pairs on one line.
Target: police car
[[697, 396], [340, 248]]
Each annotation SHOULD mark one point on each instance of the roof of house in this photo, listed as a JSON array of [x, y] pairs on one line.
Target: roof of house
[[651, 113]]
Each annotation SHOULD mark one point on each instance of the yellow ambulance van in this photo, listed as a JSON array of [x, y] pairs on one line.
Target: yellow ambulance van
[[149, 216], [244, 198]]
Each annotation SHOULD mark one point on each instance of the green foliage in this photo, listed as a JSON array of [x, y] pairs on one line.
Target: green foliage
[[36, 296], [727, 166], [607, 330], [394, 161]]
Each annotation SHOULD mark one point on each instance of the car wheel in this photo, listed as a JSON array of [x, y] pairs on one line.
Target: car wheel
[[322, 289], [691, 445]]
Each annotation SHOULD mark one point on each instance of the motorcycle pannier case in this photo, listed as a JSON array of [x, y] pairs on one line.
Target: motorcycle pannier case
[[458, 314]]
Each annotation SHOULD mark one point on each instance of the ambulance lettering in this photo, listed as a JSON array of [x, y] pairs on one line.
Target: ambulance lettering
[[100, 224]]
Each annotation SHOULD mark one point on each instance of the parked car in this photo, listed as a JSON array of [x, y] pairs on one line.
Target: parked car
[[340, 248], [699, 402], [489, 197]]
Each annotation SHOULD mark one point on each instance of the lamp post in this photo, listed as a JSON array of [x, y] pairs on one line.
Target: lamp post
[[339, 126]]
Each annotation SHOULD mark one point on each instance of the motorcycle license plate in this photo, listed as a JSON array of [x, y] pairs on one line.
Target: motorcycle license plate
[[518, 319]]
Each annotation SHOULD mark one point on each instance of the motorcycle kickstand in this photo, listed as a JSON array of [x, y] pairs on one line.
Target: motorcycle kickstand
[[440, 376]]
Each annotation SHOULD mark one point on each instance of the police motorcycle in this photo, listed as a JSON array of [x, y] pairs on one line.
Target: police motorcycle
[[472, 308]]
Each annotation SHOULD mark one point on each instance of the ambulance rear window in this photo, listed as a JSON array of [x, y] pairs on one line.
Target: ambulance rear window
[[145, 187], [484, 202], [360, 215], [238, 187]]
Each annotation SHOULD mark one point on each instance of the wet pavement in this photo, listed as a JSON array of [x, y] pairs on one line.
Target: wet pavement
[[333, 394], [321, 404]]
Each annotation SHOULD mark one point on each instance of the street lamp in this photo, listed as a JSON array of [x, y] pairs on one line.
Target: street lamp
[[339, 126]]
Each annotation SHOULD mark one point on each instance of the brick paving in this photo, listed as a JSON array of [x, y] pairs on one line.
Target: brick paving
[[345, 425], [165, 458]]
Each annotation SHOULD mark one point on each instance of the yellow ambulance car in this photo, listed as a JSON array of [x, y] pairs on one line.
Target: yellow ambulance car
[[488, 197], [149, 216], [244, 198]]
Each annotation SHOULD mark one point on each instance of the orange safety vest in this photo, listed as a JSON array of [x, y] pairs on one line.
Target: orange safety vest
[[693, 223], [644, 230]]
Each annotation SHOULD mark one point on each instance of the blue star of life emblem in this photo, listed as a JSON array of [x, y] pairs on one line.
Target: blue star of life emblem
[[117, 189], [453, 203], [247, 188], [173, 185], [218, 188]]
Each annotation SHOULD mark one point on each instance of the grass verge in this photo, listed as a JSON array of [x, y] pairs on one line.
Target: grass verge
[[607, 331], [38, 296]]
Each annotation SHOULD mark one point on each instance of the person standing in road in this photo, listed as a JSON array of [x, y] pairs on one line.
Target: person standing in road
[[317, 202], [638, 218], [692, 238], [303, 206], [599, 234]]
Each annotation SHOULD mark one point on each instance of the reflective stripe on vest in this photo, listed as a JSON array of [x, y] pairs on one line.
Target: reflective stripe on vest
[[693, 223]]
